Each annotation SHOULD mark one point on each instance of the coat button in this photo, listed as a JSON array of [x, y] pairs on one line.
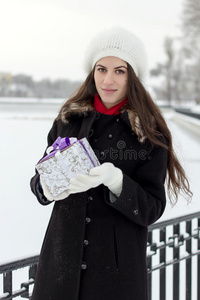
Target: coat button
[[83, 266], [90, 198], [110, 136], [86, 242], [88, 220], [117, 120], [135, 211]]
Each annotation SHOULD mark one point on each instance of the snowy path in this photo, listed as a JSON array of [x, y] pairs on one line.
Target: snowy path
[[23, 220], [187, 147]]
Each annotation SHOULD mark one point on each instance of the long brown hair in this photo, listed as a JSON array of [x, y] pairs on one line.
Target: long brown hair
[[152, 122]]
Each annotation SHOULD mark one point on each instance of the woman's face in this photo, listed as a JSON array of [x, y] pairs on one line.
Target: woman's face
[[111, 78]]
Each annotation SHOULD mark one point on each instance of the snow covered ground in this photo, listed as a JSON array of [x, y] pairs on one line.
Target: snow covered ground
[[23, 140], [23, 131]]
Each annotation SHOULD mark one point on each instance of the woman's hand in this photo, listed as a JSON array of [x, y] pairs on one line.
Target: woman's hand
[[106, 174]]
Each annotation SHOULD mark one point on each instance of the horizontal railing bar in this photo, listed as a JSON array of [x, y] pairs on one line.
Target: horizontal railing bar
[[172, 244], [27, 283], [168, 244], [18, 264], [14, 294], [160, 225], [190, 237], [5, 296], [19, 292], [172, 262]]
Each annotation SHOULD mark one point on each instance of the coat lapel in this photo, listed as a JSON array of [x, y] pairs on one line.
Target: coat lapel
[[86, 125]]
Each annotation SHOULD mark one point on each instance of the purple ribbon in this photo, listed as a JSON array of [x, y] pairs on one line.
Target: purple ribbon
[[62, 143], [58, 145], [86, 152]]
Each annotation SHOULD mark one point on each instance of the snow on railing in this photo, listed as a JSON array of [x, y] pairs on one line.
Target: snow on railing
[[173, 262]]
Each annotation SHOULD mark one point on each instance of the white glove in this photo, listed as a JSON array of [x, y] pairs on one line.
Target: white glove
[[49, 196], [106, 174]]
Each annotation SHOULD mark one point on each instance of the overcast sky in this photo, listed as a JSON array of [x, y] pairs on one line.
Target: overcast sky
[[48, 38]]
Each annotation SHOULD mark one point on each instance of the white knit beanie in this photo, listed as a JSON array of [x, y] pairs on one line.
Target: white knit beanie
[[120, 43]]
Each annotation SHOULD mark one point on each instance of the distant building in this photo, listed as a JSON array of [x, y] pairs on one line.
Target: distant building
[[5, 77]]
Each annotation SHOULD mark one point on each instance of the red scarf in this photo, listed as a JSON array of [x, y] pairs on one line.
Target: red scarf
[[100, 107]]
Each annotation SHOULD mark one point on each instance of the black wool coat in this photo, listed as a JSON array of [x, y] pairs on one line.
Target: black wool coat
[[95, 243]]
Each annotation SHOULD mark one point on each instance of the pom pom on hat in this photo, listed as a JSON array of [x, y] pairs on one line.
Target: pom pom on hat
[[120, 43]]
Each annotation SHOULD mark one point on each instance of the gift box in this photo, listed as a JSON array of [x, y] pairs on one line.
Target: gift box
[[66, 158]]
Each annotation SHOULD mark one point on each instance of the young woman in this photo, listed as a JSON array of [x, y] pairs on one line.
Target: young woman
[[95, 244]]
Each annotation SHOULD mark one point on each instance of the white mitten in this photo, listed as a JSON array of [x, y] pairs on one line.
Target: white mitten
[[106, 174], [49, 196]]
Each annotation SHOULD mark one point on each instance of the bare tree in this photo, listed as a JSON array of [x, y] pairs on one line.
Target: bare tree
[[191, 42], [167, 71], [191, 20], [170, 53], [181, 70]]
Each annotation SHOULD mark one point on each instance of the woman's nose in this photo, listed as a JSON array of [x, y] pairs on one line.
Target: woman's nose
[[108, 79]]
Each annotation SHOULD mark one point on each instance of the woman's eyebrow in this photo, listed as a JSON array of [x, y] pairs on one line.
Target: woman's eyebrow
[[100, 66], [114, 68], [120, 67]]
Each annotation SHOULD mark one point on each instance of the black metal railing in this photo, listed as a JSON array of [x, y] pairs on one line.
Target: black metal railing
[[173, 261], [7, 271]]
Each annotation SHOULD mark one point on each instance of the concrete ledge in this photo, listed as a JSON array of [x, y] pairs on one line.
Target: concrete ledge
[[188, 122]]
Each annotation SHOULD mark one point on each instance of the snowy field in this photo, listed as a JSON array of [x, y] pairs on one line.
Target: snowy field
[[23, 132]]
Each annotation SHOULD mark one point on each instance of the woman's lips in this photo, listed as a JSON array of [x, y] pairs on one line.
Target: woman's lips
[[109, 91]]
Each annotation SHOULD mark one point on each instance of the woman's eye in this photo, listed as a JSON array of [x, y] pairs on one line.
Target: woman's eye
[[101, 70], [120, 72]]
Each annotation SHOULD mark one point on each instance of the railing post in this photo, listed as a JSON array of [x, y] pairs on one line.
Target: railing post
[[32, 271], [176, 256], [7, 283], [163, 261], [188, 262]]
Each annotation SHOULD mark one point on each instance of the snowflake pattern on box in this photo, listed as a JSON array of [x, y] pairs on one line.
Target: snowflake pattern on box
[[57, 170]]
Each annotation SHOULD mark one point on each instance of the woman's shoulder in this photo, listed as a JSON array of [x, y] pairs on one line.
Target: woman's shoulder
[[73, 118]]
